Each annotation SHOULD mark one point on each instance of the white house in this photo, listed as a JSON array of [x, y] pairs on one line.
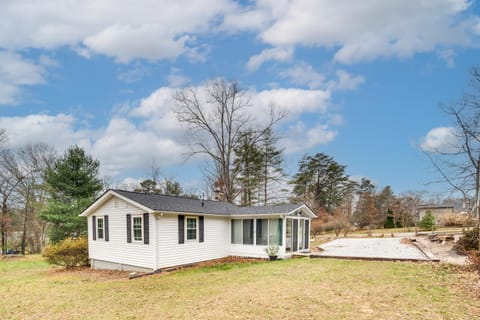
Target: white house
[[147, 232]]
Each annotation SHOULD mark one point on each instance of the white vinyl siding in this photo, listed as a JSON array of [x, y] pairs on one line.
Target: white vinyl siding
[[117, 250], [171, 253]]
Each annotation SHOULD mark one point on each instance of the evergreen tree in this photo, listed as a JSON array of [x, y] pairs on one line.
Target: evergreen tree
[[320, 181], [272, 166], [172, 187], [248, 167], [384, 201], [72, 184], [148, 186]]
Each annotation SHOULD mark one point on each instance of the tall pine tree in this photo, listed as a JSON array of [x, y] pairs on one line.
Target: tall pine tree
[[320, 182], [272, 167], [248, 168], [72, 184]]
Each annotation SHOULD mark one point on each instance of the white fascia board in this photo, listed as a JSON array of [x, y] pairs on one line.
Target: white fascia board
[[106, 196], [305, 209]]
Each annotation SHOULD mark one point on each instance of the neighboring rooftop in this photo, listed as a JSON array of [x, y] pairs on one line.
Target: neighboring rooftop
[[161, 202]]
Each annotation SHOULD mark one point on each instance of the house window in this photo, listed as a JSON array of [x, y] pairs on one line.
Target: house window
[[262, 232], [100, 228], [301, 224], [275, 232], [137, 228], [248, 231], [237, 231], [191, 228]]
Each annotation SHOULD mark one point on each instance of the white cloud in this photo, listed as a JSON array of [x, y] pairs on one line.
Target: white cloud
[[363, 30], [440, 139], [57, 131], [15, 73], [300, 138], [176, 79], [346, 81], [123, 145], [134, 73], [304, 74], [448, 55], [151, 30], [277, 54], [292, 100]]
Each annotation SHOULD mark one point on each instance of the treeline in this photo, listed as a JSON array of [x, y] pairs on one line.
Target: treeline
[[42, 193], [342, 203]]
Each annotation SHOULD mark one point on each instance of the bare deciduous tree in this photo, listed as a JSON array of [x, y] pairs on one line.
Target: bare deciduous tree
[[459, 162], [216, 118]]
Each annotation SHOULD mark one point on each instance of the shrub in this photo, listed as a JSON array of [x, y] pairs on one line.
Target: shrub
[[454, 220], [427, 222], [272, 251], [474, 260], [468, 242], [68, 253]]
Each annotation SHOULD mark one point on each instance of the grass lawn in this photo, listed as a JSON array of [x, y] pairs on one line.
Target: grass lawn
[[290, 289]]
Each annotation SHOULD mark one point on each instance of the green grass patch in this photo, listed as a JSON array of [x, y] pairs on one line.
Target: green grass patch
[[287, 289]]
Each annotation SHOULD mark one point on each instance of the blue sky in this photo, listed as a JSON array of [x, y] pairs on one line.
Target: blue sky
[[361, 81]]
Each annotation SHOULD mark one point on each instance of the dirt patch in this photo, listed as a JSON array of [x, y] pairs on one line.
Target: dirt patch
[[442, 250], [93, 274], [213, 263]]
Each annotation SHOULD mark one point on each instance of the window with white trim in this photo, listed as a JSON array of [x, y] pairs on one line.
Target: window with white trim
[[100, 228], [191, 228], [137, 228]]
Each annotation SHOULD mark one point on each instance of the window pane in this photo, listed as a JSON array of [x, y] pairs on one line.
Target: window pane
[[191, 223], [191, 228], [275, 234], [289, 235], [137, 228], [100, 228], [237, 231], [262, 232], [300, 232], [248, 231]]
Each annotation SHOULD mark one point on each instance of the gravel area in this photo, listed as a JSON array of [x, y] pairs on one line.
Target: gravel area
[[442, 251], [373, 248]]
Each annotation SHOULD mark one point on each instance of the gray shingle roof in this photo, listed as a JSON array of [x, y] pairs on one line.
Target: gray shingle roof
[[161, 202]]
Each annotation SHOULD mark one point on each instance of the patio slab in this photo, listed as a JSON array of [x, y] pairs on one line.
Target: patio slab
[[372, 249]]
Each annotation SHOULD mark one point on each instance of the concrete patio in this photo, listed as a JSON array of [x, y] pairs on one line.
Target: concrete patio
[[372, 249]]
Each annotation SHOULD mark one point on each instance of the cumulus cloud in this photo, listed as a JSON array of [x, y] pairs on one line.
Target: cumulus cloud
[[294, 101], [346, 81], [124, 145], [364, 30], [120, 29], [440, 139], [15, 73], [304, 74], [276, 54], [300, 138], [150, 130], [58, 131]]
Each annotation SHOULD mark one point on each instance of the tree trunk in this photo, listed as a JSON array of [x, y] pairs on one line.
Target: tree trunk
[[3, 226]]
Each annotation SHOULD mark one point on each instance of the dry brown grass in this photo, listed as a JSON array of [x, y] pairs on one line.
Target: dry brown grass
[[290, 289]]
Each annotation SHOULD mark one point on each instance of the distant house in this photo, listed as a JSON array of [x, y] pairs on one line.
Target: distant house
[[436, 210], [147, 232]]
